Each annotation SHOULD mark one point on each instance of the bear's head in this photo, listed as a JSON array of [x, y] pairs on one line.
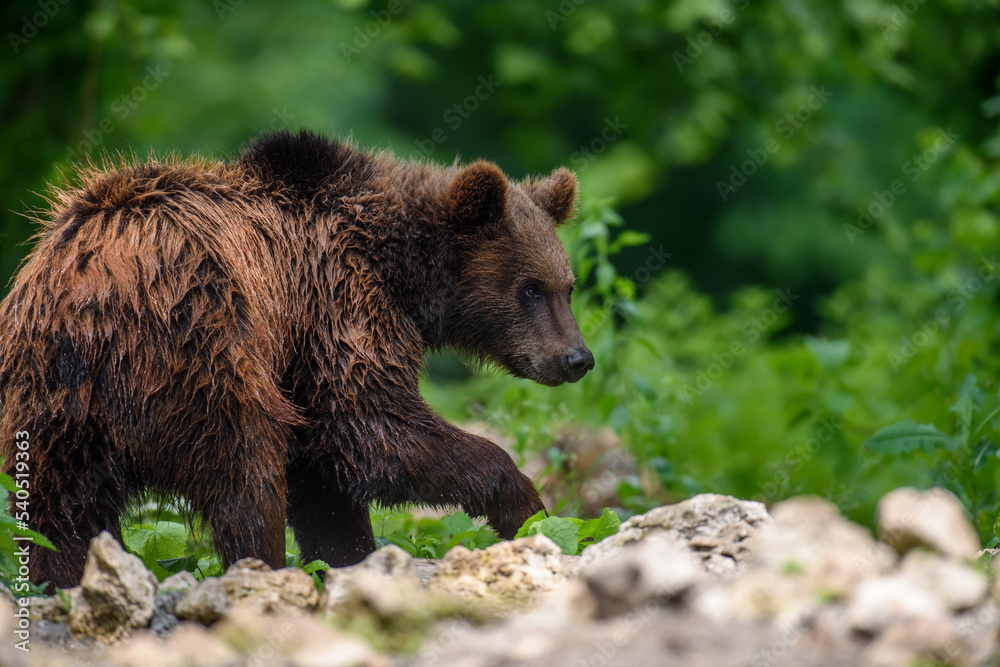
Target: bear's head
[[513, 296]]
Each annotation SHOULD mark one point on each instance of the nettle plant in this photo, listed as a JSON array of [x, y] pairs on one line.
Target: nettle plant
[[965, 461]]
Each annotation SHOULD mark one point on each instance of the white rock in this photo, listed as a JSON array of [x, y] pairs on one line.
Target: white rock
[[718, 530], [806, 557], [909, 518], [656, 568], [514, 571], [116, 593], [958, 585], [249, 581], [882, 602]]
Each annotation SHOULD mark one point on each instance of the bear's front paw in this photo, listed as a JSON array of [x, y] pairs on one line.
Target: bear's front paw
[[508, 515]]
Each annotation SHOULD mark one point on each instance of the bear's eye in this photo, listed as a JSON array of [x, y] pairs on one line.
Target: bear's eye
[[532, 291]]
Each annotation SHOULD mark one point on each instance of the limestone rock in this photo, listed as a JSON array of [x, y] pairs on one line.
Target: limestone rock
[[181, 581], [809, 555], [717, 529], [909, 518], [385, 584], [54, 608], [116, 593], [390, 568], [300, 639], [653, 569], [956, 584], [513, 571], [171, 590], [249, 581], [890, 600], [189, 644]]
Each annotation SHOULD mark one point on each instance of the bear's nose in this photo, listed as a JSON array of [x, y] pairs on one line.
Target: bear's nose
[[578, 362]]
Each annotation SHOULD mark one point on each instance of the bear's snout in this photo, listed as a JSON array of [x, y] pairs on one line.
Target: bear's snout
[[576, 363]]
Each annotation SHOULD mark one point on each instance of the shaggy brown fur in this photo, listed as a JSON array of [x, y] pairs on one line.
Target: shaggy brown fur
[[250, 336]]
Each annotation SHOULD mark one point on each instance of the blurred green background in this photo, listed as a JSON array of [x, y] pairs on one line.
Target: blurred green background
[[789, 220]]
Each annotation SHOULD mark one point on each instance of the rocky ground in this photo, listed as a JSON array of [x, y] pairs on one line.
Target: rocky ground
[[710, 581]]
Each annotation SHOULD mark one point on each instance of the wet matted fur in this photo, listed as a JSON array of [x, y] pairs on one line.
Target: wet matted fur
[[250, 336]]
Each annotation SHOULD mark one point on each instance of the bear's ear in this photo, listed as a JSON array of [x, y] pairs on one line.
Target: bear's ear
[[477, 196], [556, 195]]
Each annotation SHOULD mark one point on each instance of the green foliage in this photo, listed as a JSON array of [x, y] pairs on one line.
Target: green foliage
[[811, 329], [432, 537], [429, 537], [965, 462], [13, 538], [169, 540], [156, 542], [571, 534]]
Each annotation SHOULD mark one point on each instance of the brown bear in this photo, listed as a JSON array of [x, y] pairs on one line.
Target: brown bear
[[249, 336]]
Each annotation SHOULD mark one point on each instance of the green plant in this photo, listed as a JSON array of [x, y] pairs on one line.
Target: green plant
[[15, 536], [964, 461], [168, 540], [429, 537], [571, 534]]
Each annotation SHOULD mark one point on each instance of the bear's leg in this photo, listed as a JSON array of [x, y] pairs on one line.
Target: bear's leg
[[241, 496], [329, 525], [72, 502], [246, 510], [249, 523]]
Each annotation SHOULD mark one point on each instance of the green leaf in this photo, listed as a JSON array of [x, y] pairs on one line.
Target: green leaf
[[153, 542], [485, 537], [456, 523], [991, 405], [315, 565], [37, 538], [459, 538], [565, 533], [530, 521], [628, 239], [982, 452], [970, 401], [7, 482], [595, 530], [175, 565], [907, 436], [828, 353]]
